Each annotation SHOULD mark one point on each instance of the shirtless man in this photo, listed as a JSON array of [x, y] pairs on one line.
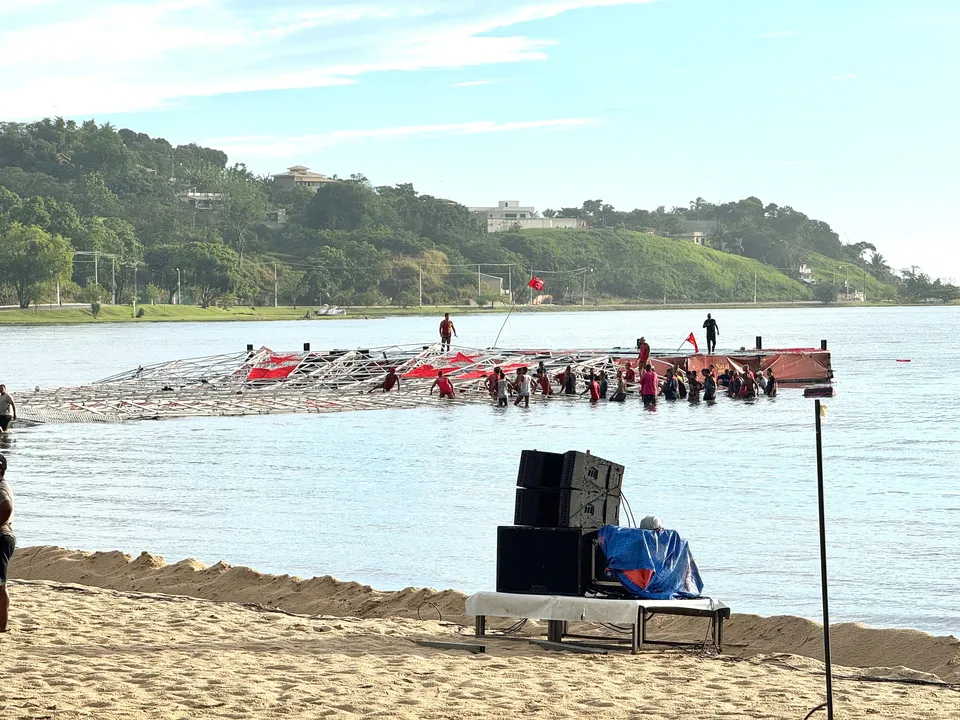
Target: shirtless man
[[6, 405], [447, 330]]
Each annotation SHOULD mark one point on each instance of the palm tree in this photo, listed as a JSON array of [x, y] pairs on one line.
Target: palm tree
[[878, 266]]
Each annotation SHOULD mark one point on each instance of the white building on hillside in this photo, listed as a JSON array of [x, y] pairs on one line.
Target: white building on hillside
[[509, 214], [300, 176]]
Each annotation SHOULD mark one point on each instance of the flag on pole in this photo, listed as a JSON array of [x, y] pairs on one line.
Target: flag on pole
[[691, 338], [536, 283]]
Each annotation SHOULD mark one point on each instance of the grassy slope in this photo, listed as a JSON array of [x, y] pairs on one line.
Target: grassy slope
[[831, 270], [151, 313], [684, 271]]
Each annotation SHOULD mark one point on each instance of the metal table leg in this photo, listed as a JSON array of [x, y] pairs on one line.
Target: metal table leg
[[719, 633], [480, 626], [555, 630]]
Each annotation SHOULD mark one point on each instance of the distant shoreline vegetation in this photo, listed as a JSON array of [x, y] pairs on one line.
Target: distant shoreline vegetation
[[94, 215]]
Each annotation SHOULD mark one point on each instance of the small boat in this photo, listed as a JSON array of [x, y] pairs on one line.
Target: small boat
[[330, 310]]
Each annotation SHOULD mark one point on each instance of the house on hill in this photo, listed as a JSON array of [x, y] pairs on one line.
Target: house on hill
[[300, 176], [509, 214], [696, 231]]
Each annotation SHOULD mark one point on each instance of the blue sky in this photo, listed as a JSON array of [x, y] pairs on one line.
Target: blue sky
[[846, 110]]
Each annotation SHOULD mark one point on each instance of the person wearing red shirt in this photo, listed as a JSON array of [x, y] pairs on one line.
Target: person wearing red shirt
[[644, 349], [630, 375], [649, 386], [593, 387], [543, 380], [444, 385], [446, 331], [389, 382], [492, 380]]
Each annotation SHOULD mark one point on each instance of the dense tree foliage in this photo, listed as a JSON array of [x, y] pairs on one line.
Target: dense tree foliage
[[180, 217]]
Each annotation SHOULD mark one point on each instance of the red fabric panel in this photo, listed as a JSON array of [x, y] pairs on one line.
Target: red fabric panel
[[641, 578], [460, 358], [423, 371], [280, 372]]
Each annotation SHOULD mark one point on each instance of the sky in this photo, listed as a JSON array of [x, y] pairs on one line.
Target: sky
[[846, 110]]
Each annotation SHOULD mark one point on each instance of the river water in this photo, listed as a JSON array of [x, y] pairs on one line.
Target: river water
[[413, 497]]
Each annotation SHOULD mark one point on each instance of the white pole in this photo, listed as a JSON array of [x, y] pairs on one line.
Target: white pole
[[754, 288], [421, 285], [134, 289], [532, 275], [113, 280], [583, 294], [479, 291], [510, 281], [178, 286], [58, 292], [275, 294], [96, 276]]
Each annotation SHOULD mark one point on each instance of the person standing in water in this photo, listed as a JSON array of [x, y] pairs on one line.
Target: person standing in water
[[6, 405], [503, 388], [649, 386], [447, 330], [444, 385], [710, 325], [620, 394], [523, 388], [771, 388]]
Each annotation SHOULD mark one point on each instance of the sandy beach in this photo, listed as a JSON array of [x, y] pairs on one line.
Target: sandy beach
[[109, 636]]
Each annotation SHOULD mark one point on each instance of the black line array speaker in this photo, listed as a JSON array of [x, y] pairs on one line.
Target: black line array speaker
[[546, 561], [572, 489]]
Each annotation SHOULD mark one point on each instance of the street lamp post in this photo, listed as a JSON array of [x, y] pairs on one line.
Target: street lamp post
[[178, 286]]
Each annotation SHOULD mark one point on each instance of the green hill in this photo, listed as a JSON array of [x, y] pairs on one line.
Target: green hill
[[643, 267]]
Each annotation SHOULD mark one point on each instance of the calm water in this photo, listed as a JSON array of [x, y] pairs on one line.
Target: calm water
[[397, 498]]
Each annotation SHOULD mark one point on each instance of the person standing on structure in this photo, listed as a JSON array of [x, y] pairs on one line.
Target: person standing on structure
[[710, 325], [8, 542], [643, 347], [6, 405], [447, 330]]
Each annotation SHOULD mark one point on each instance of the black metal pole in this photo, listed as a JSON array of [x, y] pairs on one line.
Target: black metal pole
[[823, 568]]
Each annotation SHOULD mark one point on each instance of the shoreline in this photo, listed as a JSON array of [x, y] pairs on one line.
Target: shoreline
[[854, 644], [114, 314]]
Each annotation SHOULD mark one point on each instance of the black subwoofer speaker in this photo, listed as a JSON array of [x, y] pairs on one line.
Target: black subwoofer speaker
[[546, 561]]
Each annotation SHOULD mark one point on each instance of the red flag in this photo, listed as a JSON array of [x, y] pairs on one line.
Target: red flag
[[536, 283], [691, 338]]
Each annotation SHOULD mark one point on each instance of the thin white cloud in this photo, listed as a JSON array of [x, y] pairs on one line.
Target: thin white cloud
[[475, 83], [778, 34], [845, 76], [102, 56], [270, 146]]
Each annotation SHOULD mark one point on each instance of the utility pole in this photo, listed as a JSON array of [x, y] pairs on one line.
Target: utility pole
[[583, 292], [134, 289], [421, 285], [533, 274], [754, 288], [510, 281], [113, 280], [96, 258], [178, 286], [275, 293], [479, 290]]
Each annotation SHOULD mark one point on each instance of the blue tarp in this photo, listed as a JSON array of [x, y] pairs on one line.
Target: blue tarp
[[651, 564]]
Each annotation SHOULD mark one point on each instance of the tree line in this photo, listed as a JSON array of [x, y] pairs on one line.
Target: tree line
[[101, 214]]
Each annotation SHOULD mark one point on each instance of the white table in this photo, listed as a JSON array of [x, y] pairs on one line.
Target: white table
[[558, 610]]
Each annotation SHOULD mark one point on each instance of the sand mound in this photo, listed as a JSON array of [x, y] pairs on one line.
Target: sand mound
[[884, 652], [151, 574]]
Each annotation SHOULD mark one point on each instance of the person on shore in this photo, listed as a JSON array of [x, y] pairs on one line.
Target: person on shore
[[392, 380], [523, 388], [447, 331], [771, 388], [710, 325], [649, 386], [709, 386], [543, 381], [670, 386], [502, 389], [644, 353], [8, 542], [6, 406], [443, 384], [604, 386], [620, 394]]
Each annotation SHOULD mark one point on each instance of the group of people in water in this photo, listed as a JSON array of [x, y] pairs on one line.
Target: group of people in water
[[677, 384]]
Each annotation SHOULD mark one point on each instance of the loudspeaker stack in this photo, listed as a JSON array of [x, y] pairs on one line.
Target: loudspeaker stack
[[563, 499]]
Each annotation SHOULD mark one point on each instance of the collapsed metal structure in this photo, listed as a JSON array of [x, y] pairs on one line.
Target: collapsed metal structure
[[264, 382]]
